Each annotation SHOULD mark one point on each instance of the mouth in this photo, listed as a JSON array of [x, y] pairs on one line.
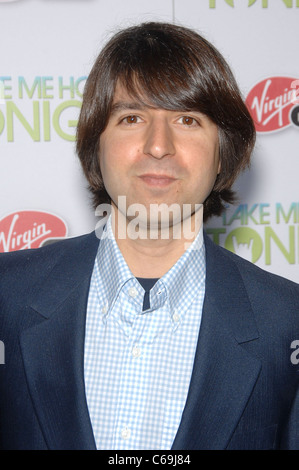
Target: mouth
[[161, 181]]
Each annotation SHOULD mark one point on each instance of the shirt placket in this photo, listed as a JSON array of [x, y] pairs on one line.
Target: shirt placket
[[134, 358]]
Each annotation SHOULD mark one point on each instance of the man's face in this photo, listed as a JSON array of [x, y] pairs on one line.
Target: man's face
[[155, 156]]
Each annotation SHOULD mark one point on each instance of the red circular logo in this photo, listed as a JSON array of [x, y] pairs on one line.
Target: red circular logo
[[270, 102], [29, 229]]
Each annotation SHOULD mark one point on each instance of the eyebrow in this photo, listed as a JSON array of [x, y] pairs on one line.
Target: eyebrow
[[123, 106], [120, 106]]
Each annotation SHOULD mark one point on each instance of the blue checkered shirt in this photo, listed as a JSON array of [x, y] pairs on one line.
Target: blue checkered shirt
[[138, 364]]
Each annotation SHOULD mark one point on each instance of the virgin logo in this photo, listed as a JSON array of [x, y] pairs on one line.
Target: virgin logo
[[270, 102], [29, 229]]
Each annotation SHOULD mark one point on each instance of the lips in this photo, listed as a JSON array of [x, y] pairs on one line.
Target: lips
[[152, 179]]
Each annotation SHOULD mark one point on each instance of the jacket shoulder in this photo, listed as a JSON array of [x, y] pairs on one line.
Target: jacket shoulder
[[23, 269], [249, 271], [273, 298], [254, 275]]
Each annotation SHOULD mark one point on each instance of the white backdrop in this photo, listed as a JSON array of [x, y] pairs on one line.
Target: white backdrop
[[48, 48]]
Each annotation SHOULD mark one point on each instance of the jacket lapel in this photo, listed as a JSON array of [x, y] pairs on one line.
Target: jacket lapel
[[224, 373], [53, 348]]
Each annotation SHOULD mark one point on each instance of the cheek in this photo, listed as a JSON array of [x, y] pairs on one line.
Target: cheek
[[204, 167], [107, 164], [116, 154], [205, 158], [108, 157], [115, 167]]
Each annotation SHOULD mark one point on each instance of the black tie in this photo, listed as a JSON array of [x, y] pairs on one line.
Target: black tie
[[147, 284]]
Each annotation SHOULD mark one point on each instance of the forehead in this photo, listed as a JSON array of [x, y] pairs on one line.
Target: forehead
[[134, 98], [137, 99], [123, 100], [160, 90]]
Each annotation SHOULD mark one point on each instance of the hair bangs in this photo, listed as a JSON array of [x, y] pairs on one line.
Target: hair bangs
[[173, 82]]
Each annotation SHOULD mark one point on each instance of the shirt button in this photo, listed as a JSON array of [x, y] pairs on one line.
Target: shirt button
[[176, 317], [126, 433], [104, 309], [133, 292], [136, 351]]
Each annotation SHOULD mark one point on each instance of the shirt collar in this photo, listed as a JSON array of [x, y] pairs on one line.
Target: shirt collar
[[184, 280], [178, 286], [112, 272]]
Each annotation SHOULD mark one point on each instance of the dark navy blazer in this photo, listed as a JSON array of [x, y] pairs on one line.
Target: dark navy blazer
[[244, 388]]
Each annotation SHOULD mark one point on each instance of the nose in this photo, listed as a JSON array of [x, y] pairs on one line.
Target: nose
[[159, 141]]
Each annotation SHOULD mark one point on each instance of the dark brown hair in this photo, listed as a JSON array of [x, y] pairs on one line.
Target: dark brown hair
[[174, 68]]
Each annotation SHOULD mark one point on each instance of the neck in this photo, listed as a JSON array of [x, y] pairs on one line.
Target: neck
[[152, 253]]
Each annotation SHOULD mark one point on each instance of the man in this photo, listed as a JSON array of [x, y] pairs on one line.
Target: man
[[152, 337]]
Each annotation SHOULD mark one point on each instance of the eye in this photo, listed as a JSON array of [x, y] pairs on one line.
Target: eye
[[188, 121], [132, 119]]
